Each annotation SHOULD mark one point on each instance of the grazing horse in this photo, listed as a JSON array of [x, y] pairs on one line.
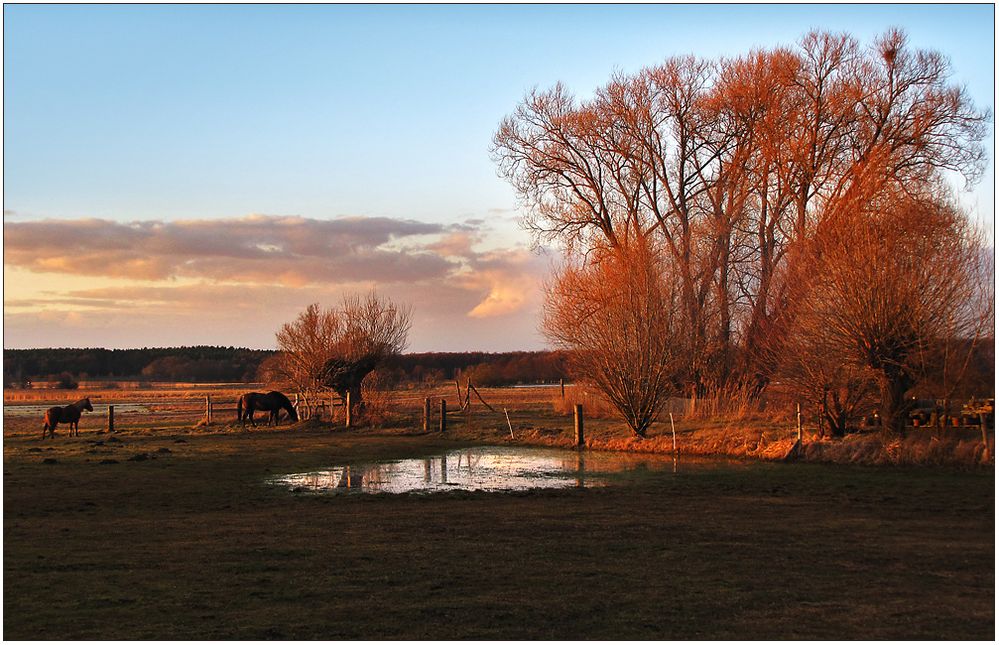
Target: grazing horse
[[68, 414], [272, 402]]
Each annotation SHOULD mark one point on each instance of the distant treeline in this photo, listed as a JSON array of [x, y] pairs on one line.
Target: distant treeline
[[482, 368], [204, 364], [196, 364]]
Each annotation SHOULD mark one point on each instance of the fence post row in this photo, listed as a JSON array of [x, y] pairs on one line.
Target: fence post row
[[443, 415], [426, 414]]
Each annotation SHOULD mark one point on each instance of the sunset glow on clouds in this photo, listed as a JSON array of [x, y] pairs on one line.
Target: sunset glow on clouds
[[140, 283]]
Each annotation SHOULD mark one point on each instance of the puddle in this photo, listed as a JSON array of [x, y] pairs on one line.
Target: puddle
[[488, 468], [99, 409]]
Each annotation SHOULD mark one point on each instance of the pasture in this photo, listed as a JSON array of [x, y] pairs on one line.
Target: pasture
[[167, 529]]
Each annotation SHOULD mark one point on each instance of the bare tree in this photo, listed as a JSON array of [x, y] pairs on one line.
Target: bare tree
[[615, 313], [728, 166], [895, 277], [816, 372], [336, 348]]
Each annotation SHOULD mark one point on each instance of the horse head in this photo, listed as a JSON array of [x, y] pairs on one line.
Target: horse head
[[86, 405]]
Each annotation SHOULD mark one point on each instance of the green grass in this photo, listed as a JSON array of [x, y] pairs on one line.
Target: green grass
[[192, 544]]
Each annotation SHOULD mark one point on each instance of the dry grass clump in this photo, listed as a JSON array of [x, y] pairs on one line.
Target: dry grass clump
[[377, 393], [922, 449], [595, 405]]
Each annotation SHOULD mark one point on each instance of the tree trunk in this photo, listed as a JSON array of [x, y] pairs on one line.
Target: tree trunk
[[894, 406], [356, 400], [825, 419], [833, 418]]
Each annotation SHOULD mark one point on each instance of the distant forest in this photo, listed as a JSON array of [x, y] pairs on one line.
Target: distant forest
[[68, 366]]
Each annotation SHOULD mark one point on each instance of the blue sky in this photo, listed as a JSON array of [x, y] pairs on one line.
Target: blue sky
[[199, 112]]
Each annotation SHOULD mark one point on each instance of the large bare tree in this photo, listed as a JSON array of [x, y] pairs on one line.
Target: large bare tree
[[730, 166]]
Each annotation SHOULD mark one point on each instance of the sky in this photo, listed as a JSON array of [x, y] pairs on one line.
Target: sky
[[185, 175]]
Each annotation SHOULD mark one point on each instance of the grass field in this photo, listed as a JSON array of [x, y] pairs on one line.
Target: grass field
[[181, 538]]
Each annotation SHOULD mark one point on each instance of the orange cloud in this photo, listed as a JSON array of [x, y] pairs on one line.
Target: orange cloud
[[511, 279], [258, 249], [236, 280]]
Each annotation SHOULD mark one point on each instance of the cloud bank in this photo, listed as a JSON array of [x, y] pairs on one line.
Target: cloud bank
[[173, 273], [257, 248]]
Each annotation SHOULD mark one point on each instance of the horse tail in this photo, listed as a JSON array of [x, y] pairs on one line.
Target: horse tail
[[46, 424], [239, 408]]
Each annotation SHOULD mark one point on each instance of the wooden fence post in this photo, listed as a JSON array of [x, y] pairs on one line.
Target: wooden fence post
[[110, 418], [985, 434], [578, 423], [426, 414], [799, 422], [561, 384], [443, 415], [208, 409], [348, 418]]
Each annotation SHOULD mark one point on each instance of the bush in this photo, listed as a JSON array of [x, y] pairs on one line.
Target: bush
[[66, 381]]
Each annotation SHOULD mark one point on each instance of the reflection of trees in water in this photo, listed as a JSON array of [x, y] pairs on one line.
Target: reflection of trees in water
[[351, 478], [483, 469]]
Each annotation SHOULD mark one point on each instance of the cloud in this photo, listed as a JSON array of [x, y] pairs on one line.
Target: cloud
[[236, 280], [249, 315], [257, 249], [457, 244], [512, 278]]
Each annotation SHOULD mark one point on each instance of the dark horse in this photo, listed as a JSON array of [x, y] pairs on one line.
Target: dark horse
[[68, 414], [272, 402]]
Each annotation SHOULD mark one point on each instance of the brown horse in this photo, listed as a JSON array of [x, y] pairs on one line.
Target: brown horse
[[67, 414], [272, 402]]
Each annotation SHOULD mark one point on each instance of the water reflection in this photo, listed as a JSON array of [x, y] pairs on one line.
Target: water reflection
[[484, 468]]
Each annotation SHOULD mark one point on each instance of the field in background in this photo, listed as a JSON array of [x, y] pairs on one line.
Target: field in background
[[183, 406], [536, 415]]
